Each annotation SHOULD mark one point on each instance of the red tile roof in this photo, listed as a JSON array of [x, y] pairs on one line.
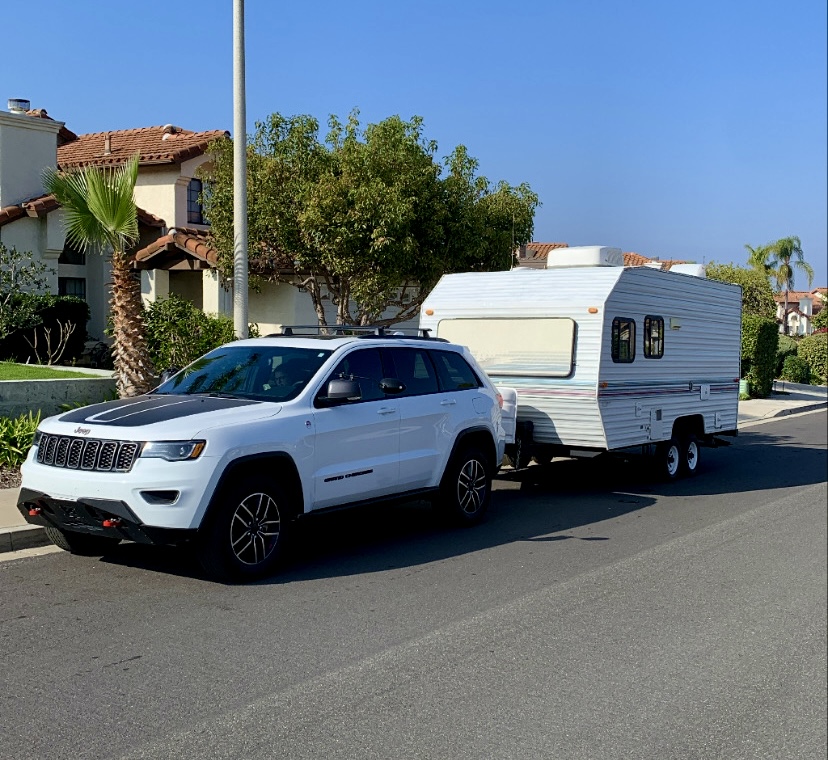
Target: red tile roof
[[64, 135], [155, 145], [194, 243], [537, 253], [44, 204]]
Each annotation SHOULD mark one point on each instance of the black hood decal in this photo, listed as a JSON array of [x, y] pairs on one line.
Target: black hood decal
[[146, 410]]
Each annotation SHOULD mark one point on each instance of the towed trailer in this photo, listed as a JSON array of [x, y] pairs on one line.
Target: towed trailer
[[597, 357]]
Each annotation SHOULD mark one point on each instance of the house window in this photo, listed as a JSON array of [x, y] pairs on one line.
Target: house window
[[623, 339], [653, 337], [195, 209], [72, 286], [71, 255]]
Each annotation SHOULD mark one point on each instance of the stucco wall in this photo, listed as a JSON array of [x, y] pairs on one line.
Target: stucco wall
[[22, 396], [28, 145]]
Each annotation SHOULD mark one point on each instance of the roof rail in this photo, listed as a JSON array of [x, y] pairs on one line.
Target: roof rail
[[362, 331]]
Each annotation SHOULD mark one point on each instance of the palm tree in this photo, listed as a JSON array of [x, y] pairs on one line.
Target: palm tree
[[780, 260], [101, 215]]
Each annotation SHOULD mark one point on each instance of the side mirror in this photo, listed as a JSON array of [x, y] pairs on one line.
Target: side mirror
[[391, 386], [343, 390]]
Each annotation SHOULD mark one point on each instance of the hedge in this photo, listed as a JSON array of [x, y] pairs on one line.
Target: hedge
[[814, 350], [52, 311], [796, 370], [786, 347], [759, 341]]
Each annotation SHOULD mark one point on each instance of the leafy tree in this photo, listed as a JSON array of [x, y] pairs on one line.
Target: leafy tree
[[19, 275], [779, 261], [757, 294], [820, 319], [101, 215], [369, 218]]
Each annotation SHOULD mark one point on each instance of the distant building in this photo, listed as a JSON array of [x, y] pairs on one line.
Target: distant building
[[802, 308]]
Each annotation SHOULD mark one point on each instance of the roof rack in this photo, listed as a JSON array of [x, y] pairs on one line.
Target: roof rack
[[360, 331]]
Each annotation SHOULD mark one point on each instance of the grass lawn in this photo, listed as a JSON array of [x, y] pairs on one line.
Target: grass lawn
[[12, 371]]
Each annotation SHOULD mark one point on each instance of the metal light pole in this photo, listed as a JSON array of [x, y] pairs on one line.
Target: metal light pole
[[240, 288]]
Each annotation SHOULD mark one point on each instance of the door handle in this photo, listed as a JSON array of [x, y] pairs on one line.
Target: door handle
[[386, 410], [448, 402]]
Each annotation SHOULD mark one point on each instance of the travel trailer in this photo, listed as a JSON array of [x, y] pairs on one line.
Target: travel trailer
[[599, 357]]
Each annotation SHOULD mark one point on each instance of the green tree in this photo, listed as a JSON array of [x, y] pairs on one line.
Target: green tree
[[19, 275], [368, 219], [101, 215], [757, 294], [820, 320], [779, 261]]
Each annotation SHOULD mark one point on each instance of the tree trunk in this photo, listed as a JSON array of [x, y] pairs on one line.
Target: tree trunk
[[134, 373]]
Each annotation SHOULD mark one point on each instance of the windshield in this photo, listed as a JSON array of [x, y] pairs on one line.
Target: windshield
[[261, 373]]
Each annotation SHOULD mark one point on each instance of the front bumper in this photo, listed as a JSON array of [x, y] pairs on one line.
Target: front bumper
[[100, 517]]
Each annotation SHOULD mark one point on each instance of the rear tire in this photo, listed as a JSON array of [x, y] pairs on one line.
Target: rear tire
[[668, 459], [245, 531], [690, 455], [466, 488], [83, 544]]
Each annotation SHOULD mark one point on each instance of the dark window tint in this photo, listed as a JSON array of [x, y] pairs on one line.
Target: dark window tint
[[72, 286], [413, 368], [454, 373], [195, 209], [71, 255], [653, 337], [623, 339], [365, 367]]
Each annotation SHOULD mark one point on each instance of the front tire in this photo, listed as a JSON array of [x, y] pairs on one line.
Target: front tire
[[466, 488], [83, 544], [246, 530]]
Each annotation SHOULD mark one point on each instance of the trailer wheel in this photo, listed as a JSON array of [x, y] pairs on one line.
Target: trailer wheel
[[690, 455], [668, 459]]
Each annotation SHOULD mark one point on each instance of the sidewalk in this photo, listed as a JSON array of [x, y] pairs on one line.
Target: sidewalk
[[787, 398]]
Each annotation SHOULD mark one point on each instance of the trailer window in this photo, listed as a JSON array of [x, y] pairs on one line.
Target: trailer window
[[623, 339], [653, 337], [535, 347]]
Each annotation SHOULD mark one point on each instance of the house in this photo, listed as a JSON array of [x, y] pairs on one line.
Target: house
[[534, 256], [802, 308]]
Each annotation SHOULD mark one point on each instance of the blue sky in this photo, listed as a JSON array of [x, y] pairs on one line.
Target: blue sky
[[674, 130]]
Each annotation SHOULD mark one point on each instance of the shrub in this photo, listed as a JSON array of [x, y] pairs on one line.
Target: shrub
[[759, 340], [814, 350], [16, 436], [52, 313], [796, 370], [757, 294], [786, 347], [179, 332]]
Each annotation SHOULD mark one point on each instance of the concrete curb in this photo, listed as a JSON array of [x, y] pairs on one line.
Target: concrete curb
[[24, 537]]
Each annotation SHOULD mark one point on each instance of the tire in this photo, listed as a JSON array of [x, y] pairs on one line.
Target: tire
[[466, 487], [690, 455], [84, 544], [245, 531], [668, 459]]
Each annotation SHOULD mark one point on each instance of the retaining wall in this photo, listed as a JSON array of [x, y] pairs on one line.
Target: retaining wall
[[22, 396]]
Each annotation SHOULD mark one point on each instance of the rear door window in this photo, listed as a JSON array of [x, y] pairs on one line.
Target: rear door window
[[454, 372], [413, 368]]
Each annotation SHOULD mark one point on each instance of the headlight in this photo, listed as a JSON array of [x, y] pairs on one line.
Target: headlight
[[173, 451], [37, 436]]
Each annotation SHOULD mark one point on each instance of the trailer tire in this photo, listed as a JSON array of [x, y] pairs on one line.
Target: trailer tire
[[668, 459], [690, 455]]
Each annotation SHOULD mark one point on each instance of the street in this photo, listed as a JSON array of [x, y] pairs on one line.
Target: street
[[594, 614]]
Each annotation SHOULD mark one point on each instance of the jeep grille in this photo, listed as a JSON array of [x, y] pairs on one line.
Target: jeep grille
[[87, 454]]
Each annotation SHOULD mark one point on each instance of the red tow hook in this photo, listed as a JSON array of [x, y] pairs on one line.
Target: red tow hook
[[112, 522], [34, 511]]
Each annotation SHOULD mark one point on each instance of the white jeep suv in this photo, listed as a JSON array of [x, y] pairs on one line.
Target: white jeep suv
[[231, 450]]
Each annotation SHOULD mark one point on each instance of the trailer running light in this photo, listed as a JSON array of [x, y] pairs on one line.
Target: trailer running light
[[592, 310]]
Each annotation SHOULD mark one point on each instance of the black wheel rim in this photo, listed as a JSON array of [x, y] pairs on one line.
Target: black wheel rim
[[471, 487], [255, 528]]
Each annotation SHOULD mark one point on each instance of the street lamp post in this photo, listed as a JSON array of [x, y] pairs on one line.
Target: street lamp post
[[240, 288]]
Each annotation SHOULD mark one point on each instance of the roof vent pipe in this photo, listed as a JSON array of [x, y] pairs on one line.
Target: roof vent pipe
[[18, 105], [108, 144]]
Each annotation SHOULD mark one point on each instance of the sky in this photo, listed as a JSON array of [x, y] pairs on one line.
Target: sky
[[673, 130]]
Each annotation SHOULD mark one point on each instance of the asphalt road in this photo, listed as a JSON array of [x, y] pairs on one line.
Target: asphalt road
[[594, 615]]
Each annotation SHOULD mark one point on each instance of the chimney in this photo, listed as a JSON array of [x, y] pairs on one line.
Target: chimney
[[107, 145], [18, 106]]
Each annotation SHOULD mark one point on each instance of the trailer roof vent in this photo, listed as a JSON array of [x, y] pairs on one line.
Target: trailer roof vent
[[585, 256], [697, 270]]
